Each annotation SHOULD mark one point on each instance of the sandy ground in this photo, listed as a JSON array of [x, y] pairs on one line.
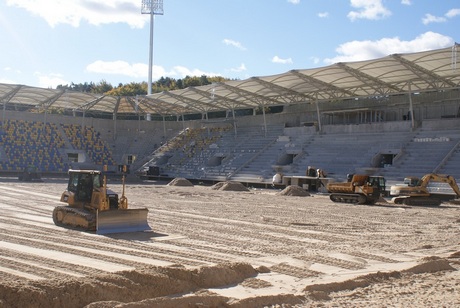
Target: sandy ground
[[224, 248]]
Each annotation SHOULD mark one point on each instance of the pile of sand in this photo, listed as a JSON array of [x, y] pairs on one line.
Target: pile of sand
[[322, 291], [293, 190], [180, 182], [230, 186], [150, 287], [176, 286]]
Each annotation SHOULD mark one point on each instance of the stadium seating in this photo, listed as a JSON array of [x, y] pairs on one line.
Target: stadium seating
[[43, 145], [253, 155], [88, 140], [31, 143], [247, 154]]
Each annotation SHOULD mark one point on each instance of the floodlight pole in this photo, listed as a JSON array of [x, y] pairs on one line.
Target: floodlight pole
[[152, 7]]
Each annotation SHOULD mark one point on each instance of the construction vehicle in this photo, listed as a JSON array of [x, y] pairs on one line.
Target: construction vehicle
[[93, 207], [415, 191], [359, 189]]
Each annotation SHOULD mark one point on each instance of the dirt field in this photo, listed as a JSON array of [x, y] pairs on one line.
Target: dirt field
[[224, 248]]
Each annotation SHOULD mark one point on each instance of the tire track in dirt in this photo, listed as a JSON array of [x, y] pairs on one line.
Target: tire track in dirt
[[293, 246], [191, 230], [42, 267], [100, 252], [106, 244]]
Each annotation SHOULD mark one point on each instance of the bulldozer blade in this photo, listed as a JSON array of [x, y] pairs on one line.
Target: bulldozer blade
[[121, 221]]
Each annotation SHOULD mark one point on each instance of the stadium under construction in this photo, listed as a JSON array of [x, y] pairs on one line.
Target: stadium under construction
[[394, 116]]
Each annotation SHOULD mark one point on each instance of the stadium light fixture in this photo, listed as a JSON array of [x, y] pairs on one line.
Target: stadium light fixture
[[152, 7]]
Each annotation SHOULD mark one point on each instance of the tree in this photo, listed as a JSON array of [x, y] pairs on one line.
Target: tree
[[140, 88]]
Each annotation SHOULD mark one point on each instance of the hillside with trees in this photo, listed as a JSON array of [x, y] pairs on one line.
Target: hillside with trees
[[140, 88]]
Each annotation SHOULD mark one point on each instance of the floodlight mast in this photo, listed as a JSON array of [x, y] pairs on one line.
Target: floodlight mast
[[152, 7]]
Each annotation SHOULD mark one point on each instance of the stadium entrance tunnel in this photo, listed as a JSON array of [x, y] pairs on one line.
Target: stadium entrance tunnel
[[215, 161], [383, 159]]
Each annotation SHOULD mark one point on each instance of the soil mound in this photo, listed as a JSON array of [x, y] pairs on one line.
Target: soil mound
[[154, 284], [293, 190], [431, 266], [321, 291], [230, 186], [180, 182]]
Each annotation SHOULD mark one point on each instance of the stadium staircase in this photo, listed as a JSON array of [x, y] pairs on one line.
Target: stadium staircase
[[428, 151], [340, 154], [249, 155], [254, 156]]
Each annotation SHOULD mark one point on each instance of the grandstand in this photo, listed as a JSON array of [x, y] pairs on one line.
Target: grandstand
[[394, 116]]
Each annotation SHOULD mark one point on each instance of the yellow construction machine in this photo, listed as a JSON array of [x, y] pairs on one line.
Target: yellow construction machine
[[415, 191], [93, 207], [360, 189]]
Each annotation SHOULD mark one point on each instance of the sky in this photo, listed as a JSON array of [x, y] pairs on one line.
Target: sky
[[46, 43]]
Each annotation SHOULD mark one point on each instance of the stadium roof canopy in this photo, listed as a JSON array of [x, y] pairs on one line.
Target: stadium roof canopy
[[432, 70]]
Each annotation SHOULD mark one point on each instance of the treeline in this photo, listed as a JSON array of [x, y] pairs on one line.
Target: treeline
[[140, 88]]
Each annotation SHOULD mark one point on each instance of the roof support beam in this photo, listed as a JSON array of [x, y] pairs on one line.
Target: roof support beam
[[49, 101], [430, 77], [226, 102], [90, 104], [156, 105], [289, 94], [380, 87], [190, 103], [321, 85], [252, 97], [10, 94]]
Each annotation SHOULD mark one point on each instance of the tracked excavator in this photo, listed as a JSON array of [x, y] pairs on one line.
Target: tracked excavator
[[91, 206], [359, 189], [415, 191]]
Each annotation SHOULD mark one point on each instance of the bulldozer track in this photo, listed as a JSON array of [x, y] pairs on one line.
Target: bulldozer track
[[196, 226], [294, 271]]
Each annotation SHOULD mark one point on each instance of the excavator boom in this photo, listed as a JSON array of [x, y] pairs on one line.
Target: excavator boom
[[419, 195]]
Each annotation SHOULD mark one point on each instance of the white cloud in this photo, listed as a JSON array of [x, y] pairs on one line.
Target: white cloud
[[368, 9], [323, 15], [452, 13], [95, 12], [8, 81], [135, 70], [294, 1], [182, 71], [239, 69], [365, 50], [233, 43], [406, 2], [428, 19], [277, 59], [140, 70], [315, 60], [51, 80]]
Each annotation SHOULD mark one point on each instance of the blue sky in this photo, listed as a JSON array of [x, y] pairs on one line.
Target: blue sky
[[45, 43]]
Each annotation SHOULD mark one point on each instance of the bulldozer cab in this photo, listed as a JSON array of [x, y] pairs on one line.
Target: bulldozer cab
[[82, 183], [378, 182]]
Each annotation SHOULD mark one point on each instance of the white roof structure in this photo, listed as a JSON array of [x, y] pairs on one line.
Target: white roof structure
[[432, 70]]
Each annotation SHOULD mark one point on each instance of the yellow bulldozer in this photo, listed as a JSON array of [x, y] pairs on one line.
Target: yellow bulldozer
[[91, 206], [359, 189], [415, 191]]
